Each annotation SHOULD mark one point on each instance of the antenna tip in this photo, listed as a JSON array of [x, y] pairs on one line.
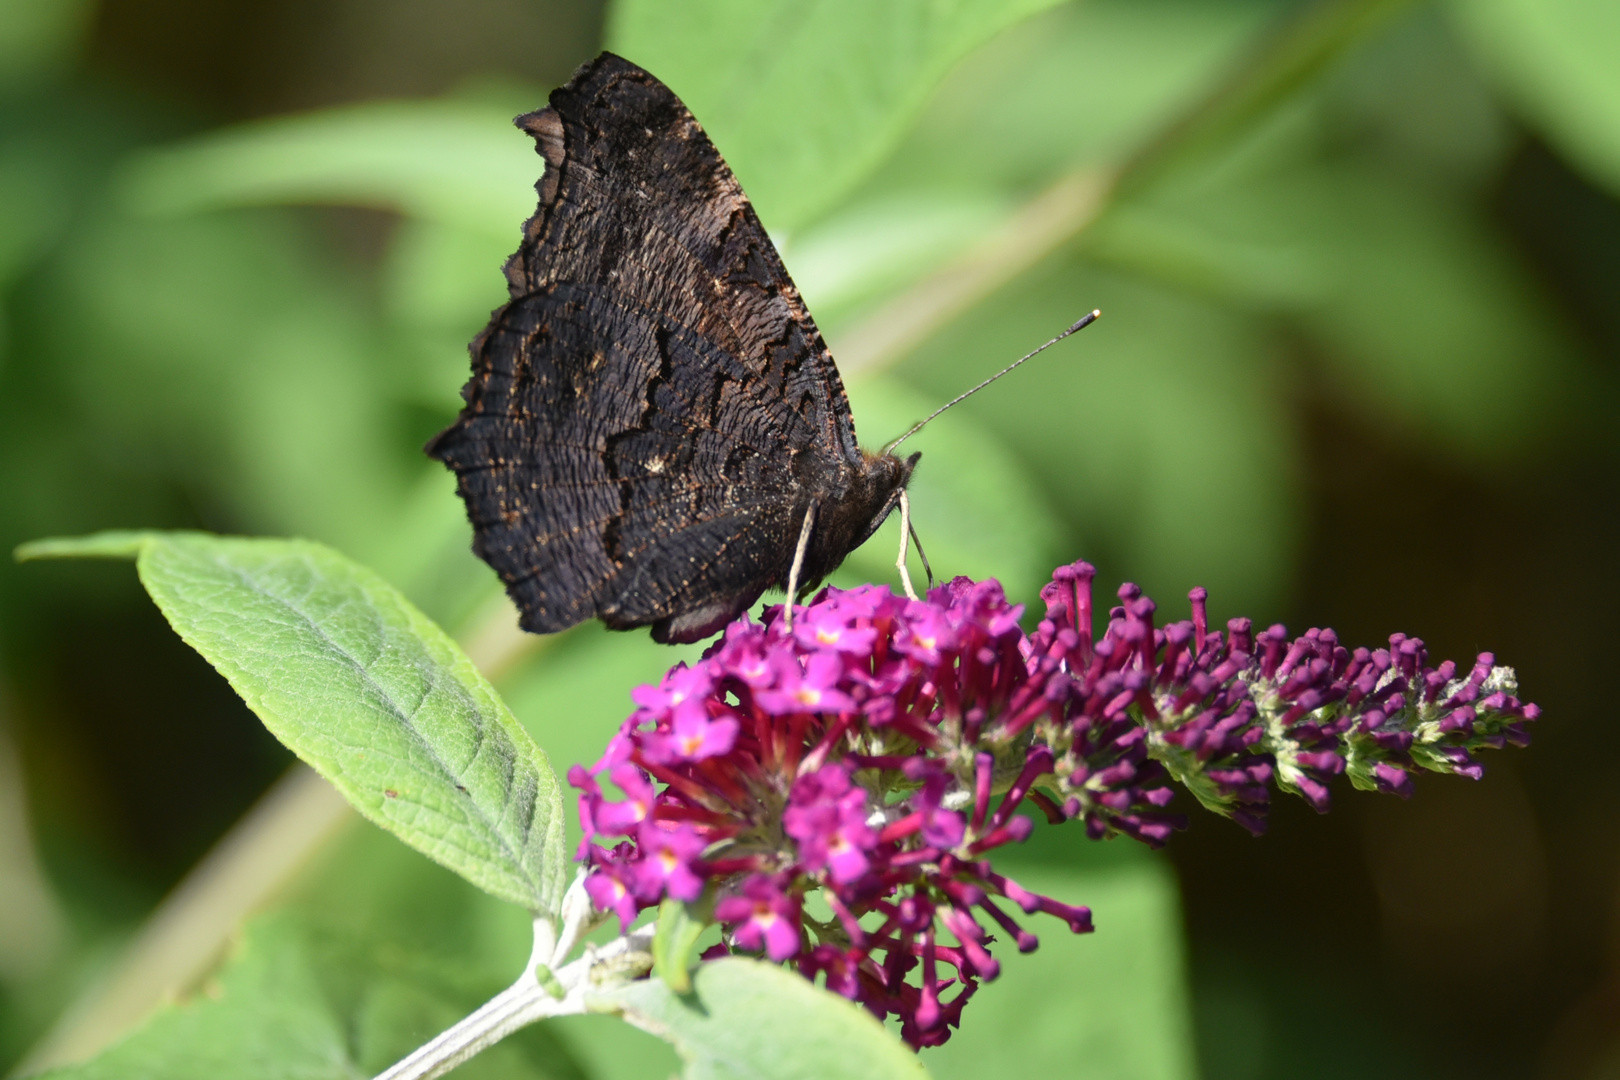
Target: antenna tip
[[1085, 321]]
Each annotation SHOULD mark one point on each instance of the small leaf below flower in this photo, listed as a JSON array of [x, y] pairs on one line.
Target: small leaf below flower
[[675, 945], [748, 1019]]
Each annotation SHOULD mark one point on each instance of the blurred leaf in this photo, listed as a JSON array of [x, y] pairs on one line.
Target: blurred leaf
[[369, 691], [1559, 61], [439, 284], [266, 1019], [1427, 319], [805, 97], [427, 551], [973, 505], [452, 161], [37, 193], [1109, 1005], [1159, 434], [39, 38], [366, 887], [445, 279], [1100, 86], [223, 352], [282, 1010], [1085, 83], [746, 1019], [33, 206], [1295, 55], [1430, 319], [397, 931], [112, 544], [880, 245], [1413, 98], [1188, 252], [674, 948]]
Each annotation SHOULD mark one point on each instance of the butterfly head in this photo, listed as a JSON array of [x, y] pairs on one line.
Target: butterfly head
[[886, 477], [845, 522]]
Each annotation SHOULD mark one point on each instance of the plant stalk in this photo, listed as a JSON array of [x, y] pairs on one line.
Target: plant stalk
[[542, 991]]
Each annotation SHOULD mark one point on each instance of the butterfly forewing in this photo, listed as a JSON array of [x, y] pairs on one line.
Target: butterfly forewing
[[653, 411]]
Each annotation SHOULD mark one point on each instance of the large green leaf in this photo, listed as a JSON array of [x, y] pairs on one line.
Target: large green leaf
[[805, 97], [747, 1020], [369, 691], [1559, 60]]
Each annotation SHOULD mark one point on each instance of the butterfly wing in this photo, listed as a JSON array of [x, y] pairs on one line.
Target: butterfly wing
[[654, 409]]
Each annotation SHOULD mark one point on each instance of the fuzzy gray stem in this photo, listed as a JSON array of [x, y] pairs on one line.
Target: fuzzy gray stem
[[526, 1000]]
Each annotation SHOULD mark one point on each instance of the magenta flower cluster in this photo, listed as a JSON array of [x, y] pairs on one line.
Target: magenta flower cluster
[[870, 759], [1229, 715]]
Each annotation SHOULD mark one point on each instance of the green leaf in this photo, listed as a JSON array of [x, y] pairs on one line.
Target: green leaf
[[266, 1018], [453, 161], [746, 1019], [297, 1002], [1559, 61], [1115, 999], [672, 949], [805, 97], [372, 694], [112, 544]]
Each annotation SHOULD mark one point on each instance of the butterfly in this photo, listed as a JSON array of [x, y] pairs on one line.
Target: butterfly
[[654, 432]]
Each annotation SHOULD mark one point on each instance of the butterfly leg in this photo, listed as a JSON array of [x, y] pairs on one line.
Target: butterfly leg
[[906, 535], [798, 564], [917, 543]]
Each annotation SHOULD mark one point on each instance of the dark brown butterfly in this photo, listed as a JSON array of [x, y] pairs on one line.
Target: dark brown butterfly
[[655, 432]]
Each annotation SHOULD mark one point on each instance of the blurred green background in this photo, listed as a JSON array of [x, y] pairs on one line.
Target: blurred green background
[[1360, 269]]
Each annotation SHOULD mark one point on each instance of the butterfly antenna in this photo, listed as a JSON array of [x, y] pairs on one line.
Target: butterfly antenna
[[1079, 325]]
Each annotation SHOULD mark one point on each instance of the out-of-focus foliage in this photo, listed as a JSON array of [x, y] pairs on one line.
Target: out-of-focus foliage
[[252, 325], [1555, 59], [805, 98], [1115, 1000]]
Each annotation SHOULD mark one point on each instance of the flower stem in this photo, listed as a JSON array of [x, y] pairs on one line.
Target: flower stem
[[519, 1005], [543, 990]]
